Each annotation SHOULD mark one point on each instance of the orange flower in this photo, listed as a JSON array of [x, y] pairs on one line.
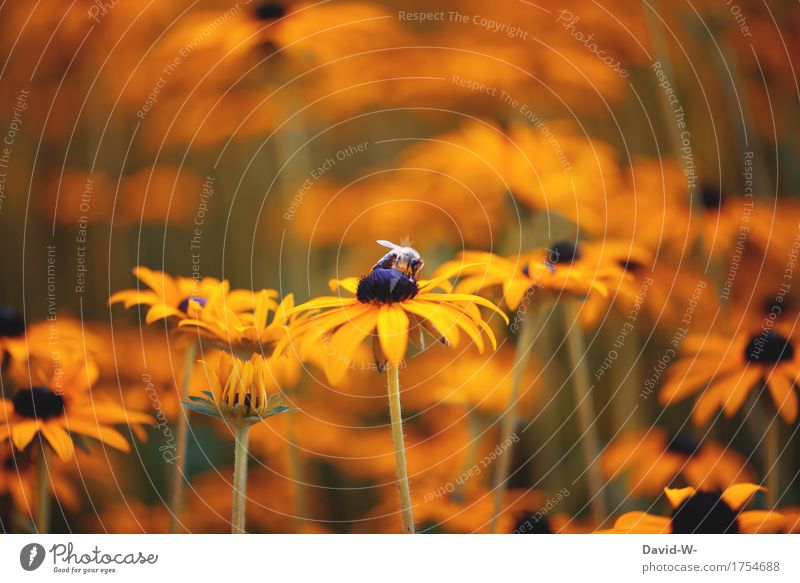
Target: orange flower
[[701, 512], [179, 297], [59, 406], [654, 459], [726, 369]]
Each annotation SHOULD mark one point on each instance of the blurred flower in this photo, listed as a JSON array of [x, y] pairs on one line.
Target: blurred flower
[[436, 511], [18, 481], [59, 405], [472, 382], [702, 512], [725, 369], [564, 268], [654, 459]]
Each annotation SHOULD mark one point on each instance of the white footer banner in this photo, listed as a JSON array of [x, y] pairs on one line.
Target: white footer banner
[[401, 558]]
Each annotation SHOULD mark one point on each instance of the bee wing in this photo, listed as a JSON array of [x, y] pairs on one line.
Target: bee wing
[[388, 244]]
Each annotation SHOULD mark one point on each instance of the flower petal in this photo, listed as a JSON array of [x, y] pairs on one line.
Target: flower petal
[[676, 496], [737, 495], [393, 332]]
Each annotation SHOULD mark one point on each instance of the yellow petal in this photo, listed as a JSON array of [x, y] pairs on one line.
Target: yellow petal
[[60, 441], [23, 433], [761, 521], [393, 332], [348, 284], [344, 342], [676, 496], [783, 395], [735, 496], [161, 311]]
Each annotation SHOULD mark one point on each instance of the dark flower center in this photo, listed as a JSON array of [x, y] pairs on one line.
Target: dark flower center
[[777, 307], [631, 265], [38, 403], [769, 348], [704, 513], [711, 197], [532, 524], [270, 11], [683, 444], [385, 286], [11, 323], [15, 464], [184, 305], [565, 252]]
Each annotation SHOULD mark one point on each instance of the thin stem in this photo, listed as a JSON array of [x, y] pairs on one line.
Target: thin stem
[[297, 475], [772, 447], [396, 416], [474, 429], [43, 498], [590, 440], [511, 418], [238, 506], [181, 439]]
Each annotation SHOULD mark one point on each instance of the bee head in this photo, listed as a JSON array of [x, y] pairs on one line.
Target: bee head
[[415, 266]]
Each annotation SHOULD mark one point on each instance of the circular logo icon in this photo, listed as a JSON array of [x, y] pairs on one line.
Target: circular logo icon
[[31, 556]]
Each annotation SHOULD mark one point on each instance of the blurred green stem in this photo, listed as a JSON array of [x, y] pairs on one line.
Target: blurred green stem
[[772, 447], [590, 440], [239, 503], [181, 439], [297, 475], [396, 416], [474, 427], [511, 418], [43, 498]]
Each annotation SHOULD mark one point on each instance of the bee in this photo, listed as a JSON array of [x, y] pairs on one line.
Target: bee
[[405, 259]]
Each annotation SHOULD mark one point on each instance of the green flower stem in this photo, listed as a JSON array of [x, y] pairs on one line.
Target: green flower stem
[[395, 413], [590, 440], [238, 506], [298, 476], [474, 427], [181, 439], [511, 418], [43, 498], [772, 447]]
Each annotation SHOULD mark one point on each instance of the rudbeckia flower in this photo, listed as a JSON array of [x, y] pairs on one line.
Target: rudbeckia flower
[[653, 459], [389, 307], [177, 297], [243, 332], [60, 407], [60, 337], [725, 369], [703, 512], [576, 269], [242, 392]]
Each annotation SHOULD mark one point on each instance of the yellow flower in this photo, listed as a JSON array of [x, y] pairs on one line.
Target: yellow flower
[[243, 332], [653, 459], [389, 306], [725, 369], [243, 391], [575, 269], [702, 512], [61, 405], [178, 297]]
